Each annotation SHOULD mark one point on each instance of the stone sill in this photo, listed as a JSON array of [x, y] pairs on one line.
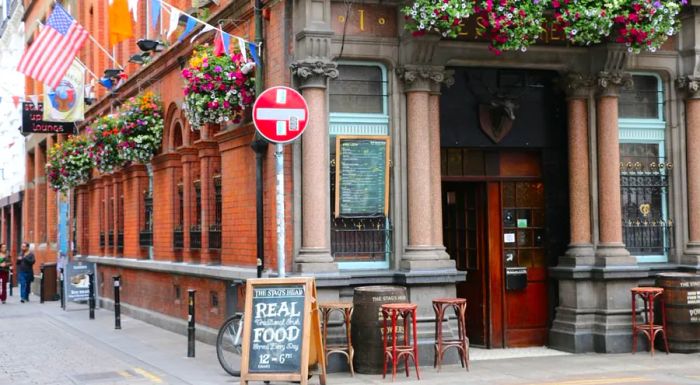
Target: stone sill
[[646, 270], [340, 279]]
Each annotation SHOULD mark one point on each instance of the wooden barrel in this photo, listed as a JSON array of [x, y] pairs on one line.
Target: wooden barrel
[[682, 297], [367, 324]]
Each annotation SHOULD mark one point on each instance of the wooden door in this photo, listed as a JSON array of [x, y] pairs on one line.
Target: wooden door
[[465, 241], [523, 244]]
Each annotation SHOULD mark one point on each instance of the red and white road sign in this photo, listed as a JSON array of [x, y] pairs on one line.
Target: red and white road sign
[[280, 114]]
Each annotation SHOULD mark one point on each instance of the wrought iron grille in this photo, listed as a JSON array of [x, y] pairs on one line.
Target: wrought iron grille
[[120, 240], [361, 239], [215, 236], [647, 228], [146, 238], [195, 237], [102, 239], [178, 238], [110, 238]]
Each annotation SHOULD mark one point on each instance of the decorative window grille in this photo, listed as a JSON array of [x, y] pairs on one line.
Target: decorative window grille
[[146, 234], [647, 224], [215, 228], [196, 228]]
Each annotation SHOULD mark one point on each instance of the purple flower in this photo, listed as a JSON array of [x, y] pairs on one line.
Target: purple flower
[[218, 69], [657, 4]]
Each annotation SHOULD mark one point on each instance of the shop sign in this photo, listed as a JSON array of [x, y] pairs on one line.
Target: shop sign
[[33, 123], [76, 280]]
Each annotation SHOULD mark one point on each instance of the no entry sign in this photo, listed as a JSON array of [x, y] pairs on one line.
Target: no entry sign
[[280, 114]]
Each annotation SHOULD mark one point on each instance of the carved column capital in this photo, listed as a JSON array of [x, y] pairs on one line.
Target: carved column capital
[[690, 85], [425, 78], [611, 83], [578, 85], [314, 73]]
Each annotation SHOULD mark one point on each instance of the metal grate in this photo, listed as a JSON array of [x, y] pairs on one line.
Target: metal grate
[[102, 239], [646, 226], [195, 237], [145, 238], [178, 239], [215, 236], [361, 239], [110, 238], [120, 240]]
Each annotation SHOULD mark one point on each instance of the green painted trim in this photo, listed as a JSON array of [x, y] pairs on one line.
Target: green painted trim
[[363, 265]]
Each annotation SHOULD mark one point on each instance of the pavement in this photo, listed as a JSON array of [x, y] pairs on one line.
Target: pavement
[[43, 344]]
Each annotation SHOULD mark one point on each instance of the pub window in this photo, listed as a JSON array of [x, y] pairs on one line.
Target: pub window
[[196, 228], [647, 224], [215, 228], [146, 234], [358, 107], [178, 232]]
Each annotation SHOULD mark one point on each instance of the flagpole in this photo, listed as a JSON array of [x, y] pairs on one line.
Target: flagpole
[[103, 49], [86, 68]]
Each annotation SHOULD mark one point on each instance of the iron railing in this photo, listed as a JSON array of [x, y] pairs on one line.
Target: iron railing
[[120, 240], [195, 237], [145, 238], [361, 239], [102, 239], [647, 228], [110, 238], [178, 239], [215, 236]]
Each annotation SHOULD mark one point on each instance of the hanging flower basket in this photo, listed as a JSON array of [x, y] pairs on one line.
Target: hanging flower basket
[[69, 163], [106, 138], [512, 25], [219, 88], [141, 127], [441, 16], [647, 24], [586, 22]]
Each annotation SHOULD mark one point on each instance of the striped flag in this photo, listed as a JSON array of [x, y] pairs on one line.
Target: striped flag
[[47, 60]]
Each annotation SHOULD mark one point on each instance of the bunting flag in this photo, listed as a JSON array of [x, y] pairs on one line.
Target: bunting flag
[[206, 29], [242, 47], [226, 39], [134, 8], [66, 102], [35, 100], [155, 11], [254, 53], [15, 100], [173, 23], [191, 23], [47, 60], [119, 22], [219, 49]]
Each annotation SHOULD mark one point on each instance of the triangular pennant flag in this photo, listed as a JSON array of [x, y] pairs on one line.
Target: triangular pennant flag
[[219, 49], [254, 53], [226, 39], [35, 100], [134, 8], [242, 47], [119, 22], [191, 22], [206, 29], [172, 24], [15, 100], [155, 11]]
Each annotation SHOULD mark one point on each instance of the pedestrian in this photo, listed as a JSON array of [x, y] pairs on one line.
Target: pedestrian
[[25, 269], [4, 271]]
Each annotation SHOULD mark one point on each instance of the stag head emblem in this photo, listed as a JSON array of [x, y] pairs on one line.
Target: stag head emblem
[[497, 110]]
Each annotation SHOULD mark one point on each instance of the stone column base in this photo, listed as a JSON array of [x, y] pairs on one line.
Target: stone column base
[[613, 254], [315, 260], [578, 255], [691, 255], [572, 330], [426, 258]]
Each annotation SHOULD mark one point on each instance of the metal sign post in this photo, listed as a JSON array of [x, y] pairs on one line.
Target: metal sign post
[[280, 115]]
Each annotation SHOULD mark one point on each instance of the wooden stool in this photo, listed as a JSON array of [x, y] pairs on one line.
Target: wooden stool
[[461, 342], [648, 294], [394, 352], [346, 310]]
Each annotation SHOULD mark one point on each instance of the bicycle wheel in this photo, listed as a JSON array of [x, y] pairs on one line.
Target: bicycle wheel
[[228, 345]]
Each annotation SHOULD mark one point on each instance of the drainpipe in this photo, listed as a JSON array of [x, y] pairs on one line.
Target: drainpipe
[[259, 146]]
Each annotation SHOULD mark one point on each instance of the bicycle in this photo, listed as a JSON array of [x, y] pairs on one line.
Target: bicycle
[[229, 341]]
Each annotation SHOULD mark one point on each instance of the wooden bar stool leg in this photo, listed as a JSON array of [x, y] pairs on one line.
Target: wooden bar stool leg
[[384, 335], [415, 343], [351, 350], [634, 324], [404, 315], [438, 326], [652, 332], [394, 361]]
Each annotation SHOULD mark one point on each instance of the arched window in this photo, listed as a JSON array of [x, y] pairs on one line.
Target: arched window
[[644, 170]]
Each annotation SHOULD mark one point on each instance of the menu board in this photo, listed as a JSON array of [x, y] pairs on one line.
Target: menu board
[[276, 335], [362, 177]]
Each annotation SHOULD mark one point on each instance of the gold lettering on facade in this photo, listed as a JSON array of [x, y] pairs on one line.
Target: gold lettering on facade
[[341, 19], [381, 21], [362, 19]]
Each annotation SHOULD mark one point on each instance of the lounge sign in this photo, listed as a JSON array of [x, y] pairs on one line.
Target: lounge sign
[[33, 123]]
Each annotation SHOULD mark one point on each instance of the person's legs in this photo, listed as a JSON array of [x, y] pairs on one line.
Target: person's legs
[[24, 282], [4, 275]]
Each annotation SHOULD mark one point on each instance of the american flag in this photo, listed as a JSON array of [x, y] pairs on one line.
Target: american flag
[[47, 60]]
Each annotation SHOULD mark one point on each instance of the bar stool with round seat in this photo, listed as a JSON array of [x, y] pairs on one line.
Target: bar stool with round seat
[[648, 327], [393, 349], [460, 342], [345, 349]]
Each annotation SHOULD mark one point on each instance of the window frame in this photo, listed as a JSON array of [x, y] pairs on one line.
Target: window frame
[[649, 131], [365, 124]]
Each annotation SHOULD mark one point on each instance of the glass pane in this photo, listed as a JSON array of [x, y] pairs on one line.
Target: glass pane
[[454, 161], [642, 100], [357, 89], [524, 238], [538, 258], [525, 258], [508, 194], [508, 218]]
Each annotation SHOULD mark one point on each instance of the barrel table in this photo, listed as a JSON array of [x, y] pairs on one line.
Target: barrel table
[[682, 297], [367, 325]]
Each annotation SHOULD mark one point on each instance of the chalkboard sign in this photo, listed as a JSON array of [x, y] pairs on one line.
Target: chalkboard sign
[[282, 331], [361, 176], [278, 320]]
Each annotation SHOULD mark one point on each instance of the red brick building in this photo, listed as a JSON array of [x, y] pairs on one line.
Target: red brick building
[[558, 199]]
